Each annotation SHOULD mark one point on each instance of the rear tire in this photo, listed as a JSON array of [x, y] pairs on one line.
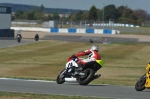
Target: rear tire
[[140, 84], [18, 39], [61, 77], [90, 74]]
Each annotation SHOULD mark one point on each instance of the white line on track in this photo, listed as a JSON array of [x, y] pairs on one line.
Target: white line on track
[[55, 81], [26, 80]]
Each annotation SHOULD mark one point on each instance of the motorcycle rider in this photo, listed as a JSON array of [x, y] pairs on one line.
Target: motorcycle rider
[[93, 55]]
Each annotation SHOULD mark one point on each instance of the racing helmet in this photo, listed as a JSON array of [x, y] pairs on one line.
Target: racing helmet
[[95, 48]]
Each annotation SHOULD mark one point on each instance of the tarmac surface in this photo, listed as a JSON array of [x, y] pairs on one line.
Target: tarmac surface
[[10, 43], [72, 89]]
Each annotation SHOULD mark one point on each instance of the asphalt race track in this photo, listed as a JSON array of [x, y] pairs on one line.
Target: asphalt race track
[[47, 87], [11, 43]]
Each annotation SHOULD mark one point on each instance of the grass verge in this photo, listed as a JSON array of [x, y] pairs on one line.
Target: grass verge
[[12, 95], [124, 62]]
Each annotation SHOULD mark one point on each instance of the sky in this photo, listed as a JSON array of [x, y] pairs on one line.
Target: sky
[[84, 4]]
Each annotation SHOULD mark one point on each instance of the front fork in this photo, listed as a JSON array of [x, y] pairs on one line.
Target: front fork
[[147, 84]]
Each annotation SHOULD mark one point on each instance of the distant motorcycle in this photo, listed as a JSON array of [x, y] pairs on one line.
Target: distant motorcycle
[[36, 37], [144, 81], [84, 77], [18, 38]]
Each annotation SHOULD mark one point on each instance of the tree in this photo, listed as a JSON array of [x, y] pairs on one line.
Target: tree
[[124, 20], [49, 17], [30, 15], [128, 13], [19, 13], [37, 16], [121, 10], [99, 13], [93, 13], [111, 12], [85, 16], [41, 11], [55, 16], [140, 14], [73, 17], [79, 15]]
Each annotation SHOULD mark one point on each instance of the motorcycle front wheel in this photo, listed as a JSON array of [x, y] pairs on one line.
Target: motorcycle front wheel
[[140, 84], [89, 74], [61, 77]]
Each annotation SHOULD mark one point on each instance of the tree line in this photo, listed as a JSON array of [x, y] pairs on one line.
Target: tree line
[[121, 14]]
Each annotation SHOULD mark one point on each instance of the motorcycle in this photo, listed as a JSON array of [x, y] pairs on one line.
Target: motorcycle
[[19, 38], [83, 77], [36, 37], [144, 81]]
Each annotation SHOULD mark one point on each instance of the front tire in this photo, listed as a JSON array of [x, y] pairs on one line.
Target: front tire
[[89, 77], [61, 77], [140, 84]]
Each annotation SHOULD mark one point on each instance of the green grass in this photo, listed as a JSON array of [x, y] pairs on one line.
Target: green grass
[[136, 33], [144, 28], [12, 95], [137, 29], [124, 62]]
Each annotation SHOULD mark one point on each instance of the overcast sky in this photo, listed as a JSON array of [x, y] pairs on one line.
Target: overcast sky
[[84, 4]]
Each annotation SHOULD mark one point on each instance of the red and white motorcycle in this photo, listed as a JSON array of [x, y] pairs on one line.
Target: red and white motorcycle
[[84, 77]]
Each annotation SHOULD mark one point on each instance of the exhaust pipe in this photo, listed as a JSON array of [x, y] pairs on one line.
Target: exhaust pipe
[[81, 74], [70, 80]]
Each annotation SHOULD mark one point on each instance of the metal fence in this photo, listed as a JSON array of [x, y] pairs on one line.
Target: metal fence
[[26, 23], [146, 24], [64, 24]]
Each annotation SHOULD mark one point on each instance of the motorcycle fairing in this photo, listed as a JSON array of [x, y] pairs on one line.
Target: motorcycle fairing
[[147, 84], [100, 62], [96, 64], [71, 63]]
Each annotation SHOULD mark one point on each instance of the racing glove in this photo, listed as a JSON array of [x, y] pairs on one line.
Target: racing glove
[[74, 58]]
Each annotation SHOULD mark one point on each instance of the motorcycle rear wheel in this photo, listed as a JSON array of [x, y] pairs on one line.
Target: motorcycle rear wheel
[[140, 84], [18, 40], [89, 77], [61, 77]]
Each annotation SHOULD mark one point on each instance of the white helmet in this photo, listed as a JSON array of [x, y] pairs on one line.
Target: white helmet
[[95, 47]]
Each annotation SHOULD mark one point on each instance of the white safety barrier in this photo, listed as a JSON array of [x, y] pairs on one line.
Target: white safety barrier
[[80, 30], [65, 30], [31, 29], [99, 31]]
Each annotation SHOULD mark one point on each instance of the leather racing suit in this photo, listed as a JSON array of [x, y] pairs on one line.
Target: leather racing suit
[[92, 56]]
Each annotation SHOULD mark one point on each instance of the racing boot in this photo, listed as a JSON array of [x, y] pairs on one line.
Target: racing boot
[[96, 76]]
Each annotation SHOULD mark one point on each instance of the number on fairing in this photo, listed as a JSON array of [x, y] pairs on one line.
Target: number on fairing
[[70, 64]]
